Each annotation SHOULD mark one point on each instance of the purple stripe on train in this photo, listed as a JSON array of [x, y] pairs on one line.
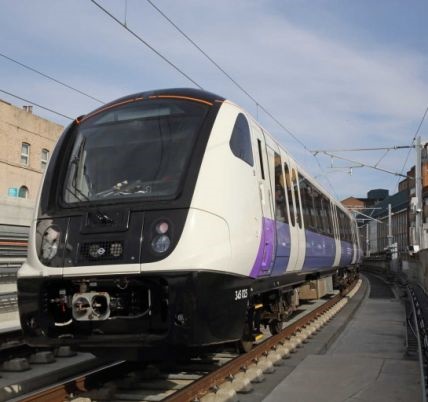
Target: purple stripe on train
[[347, 253], [263, 264], [275, 247], [283, 248], [320, 251]]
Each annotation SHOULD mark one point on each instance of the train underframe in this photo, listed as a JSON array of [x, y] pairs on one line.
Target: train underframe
[[144, 316]]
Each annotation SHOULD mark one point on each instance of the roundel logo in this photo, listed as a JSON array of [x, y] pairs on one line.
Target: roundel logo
[[101, 251]]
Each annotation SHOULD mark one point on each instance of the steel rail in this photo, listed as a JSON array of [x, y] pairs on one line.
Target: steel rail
[[9, 269], [194, 391], [197, 389], [8, 300], [417, 318], [77, 384]]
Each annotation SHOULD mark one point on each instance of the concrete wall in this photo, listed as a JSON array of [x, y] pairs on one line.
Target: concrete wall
[[415, 268], [16, 211]]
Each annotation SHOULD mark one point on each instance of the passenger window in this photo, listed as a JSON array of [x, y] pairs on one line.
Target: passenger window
[[259, 146], [306, 195], [316, 210], [289, 193], [280, 202], [240, 141], [295, 179], [324, 215], [327, 215]]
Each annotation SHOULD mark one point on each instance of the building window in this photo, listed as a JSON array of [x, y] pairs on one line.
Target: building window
[[23, 192], [44, 159], [25, 153]]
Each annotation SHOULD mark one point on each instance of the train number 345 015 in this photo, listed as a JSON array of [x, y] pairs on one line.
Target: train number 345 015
[[241, 294]]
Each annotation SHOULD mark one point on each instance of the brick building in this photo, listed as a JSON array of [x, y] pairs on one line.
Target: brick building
[[26, 143]]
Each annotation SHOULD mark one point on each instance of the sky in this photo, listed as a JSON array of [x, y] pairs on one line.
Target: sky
[[338, 74]]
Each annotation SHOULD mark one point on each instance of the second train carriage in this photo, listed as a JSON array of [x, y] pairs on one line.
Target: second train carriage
[[164, 218]]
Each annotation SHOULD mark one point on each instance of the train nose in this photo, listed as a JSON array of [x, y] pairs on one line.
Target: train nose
[[92, 306]]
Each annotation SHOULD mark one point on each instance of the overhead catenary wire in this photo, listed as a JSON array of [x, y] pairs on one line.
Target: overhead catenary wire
[[413, 141], [49, 77], [144, 42], [394, 147], [217, 65], [258, 105], [36, 104], [361, 164]]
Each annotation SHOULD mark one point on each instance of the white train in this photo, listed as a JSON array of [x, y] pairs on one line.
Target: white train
[[172, 218]]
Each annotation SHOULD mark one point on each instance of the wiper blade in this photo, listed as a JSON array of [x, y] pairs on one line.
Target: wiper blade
[[100, 215], [125, 188], [78, 194]]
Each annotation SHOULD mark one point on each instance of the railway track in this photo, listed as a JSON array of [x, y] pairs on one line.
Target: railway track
[[9, 270], [8, 301], [418, 322], [215, 376]]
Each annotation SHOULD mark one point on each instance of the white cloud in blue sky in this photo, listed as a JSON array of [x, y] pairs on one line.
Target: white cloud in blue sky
[[337, 73]]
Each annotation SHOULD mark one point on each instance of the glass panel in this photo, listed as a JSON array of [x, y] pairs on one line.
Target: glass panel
[[280, 202], [306, 196], [289, 194], [23, 192], [44, 158], [316, 210], [296, 197], [139, 150], [259, 146], [25, 153], [240, 141]]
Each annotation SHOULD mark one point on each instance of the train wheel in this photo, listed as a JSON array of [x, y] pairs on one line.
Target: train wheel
[[246, 342], [275, 327]]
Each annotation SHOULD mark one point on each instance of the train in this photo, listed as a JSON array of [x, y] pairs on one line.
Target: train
[[171, 218]]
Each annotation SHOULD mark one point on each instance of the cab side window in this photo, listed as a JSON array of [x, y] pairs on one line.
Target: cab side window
[[240, 141]]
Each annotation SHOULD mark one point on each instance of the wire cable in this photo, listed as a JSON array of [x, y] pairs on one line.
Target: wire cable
[[36, 104], [146, 44], [50, 78], [258, 105], [413, 142], [239, 86], [268, 113]]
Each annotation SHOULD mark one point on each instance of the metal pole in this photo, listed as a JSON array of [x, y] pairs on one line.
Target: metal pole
[[389, 227], [367, 240], [418, 191]]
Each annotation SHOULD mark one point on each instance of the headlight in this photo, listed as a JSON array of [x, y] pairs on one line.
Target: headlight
[[161, 244], [162, 227], [93, 251], [50, 243]]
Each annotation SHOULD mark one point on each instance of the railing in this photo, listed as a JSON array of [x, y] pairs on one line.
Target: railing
[[418, 322]]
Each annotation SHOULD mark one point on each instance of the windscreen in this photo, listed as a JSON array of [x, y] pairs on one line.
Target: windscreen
[[141, 149]]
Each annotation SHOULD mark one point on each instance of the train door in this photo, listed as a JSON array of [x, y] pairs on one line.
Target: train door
[[333, 213], [297, 230], [354, 238], [263, 179]]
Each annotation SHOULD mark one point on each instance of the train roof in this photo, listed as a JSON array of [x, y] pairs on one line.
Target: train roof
[[191, 93], [200, 94]]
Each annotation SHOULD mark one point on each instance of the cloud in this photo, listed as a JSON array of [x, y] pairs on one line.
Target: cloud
[[329, 90]]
